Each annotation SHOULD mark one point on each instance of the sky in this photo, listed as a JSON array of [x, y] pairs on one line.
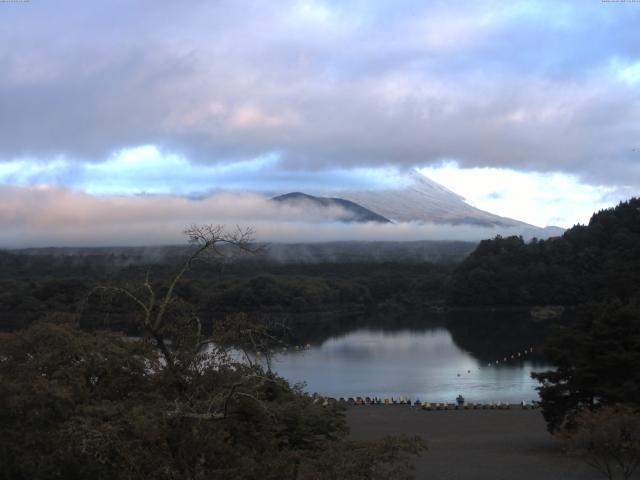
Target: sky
[[528, 109]]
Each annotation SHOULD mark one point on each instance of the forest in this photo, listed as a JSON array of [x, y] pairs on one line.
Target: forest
[[31, 286], [600, 260], [597, 261]]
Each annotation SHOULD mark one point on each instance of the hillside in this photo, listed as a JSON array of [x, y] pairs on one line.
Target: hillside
[[345, 210], [587, 263]]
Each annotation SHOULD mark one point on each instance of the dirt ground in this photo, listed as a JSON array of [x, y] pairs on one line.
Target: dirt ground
[[474, 444]]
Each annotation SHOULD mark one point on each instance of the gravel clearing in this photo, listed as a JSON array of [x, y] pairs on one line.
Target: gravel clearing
[[474, 444]]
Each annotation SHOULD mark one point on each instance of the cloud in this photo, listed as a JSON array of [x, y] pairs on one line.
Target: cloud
[[552, 198], [147, 170], [46, 216], [544, 86]]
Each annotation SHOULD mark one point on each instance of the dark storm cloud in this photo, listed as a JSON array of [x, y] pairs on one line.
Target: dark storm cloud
[[545, 86]]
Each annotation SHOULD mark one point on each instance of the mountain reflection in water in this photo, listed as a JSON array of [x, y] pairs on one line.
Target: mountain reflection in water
[[425, 364]]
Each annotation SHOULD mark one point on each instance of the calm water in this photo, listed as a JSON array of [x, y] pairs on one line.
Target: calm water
[[424, 364]]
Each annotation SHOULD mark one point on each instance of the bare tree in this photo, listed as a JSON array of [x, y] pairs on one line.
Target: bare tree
[[608, 440], [206, 241], [180, 338]]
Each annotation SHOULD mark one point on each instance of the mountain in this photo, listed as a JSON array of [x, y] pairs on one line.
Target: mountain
[[420, 199], [415, 199], [348, 211]]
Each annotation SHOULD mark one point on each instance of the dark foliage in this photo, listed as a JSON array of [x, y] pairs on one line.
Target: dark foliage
[[29, 291], [75, 405], [597, 360], [608, 440], [174, 403], [593, 262]]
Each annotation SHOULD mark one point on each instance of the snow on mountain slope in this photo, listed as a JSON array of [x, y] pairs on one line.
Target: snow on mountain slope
[[420, 199], [423, 200]]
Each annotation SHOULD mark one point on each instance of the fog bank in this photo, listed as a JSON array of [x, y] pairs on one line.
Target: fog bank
[[57, 217]]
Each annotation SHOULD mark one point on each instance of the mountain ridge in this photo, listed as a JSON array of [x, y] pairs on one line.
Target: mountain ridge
[[422, 200], [354, 212], [418, 199]]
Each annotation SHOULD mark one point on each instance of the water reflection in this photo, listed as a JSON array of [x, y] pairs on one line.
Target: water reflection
[[425, 364]]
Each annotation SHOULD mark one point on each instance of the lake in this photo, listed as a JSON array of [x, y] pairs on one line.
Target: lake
[[426, 363]]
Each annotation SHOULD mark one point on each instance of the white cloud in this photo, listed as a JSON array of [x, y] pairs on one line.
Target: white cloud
[[626, 72], [538, 198], [46, 216], [541, 199], [148, 170]]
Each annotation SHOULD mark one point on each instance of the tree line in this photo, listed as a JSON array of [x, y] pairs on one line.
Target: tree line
[[600, 260]]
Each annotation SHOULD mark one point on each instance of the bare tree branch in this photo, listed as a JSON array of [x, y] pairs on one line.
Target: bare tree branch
[[205, 239]]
